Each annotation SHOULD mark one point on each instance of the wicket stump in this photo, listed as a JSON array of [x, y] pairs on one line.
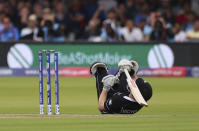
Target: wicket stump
[[48, 73]]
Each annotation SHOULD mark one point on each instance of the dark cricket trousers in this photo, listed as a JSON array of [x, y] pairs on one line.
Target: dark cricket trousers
[[100, 73]]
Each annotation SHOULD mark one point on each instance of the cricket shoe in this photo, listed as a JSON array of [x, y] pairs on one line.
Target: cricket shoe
[[98, 66]]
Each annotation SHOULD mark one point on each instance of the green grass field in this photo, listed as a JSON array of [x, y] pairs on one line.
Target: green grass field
[[173, 107]]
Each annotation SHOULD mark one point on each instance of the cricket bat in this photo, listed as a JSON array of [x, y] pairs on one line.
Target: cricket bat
[[135, 90]]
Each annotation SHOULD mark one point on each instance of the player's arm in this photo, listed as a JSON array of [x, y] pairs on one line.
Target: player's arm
[[108, 82], [102, 99], [132, 66], [140, 90]]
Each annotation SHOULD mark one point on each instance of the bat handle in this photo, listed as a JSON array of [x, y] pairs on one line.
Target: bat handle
[[127, 74]]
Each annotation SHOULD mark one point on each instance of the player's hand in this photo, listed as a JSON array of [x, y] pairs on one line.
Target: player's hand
[[125, 64], [109, 81], [129, 65], [135, 66]]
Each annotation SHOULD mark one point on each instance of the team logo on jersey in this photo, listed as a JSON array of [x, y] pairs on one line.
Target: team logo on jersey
[[126, 111]]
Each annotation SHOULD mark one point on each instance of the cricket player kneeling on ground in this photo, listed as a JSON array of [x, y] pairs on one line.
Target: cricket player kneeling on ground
[[114, 94]]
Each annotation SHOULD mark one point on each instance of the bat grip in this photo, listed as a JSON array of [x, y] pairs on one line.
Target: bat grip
[[127, 74]]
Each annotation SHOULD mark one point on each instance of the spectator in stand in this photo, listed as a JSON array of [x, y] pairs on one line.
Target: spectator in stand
[[165, 5], [20, 5], [31, 31], [98, 12], [169, 17], [60, 12], [180, 35], [77, 18], [148, 25], [12, 11], [9, 32], [110, 30], [154, 5], [110, 34], [2, 6], [20, 19], [9, 10], [143, 14], [178, 7], [139, 4], [191, 17], [121, 11], [37, 10], [45, 3], [131, 9], [91, 8], [24, 13], [2, 15], [49, 29], [131, 33], [193, 35], [111, 19], [145, 29], [93, 31], [187, 17], [195, 6], [62, 18], [160, 30]]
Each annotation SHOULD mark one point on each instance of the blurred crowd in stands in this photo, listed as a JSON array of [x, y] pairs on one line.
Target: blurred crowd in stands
[[99, 20]]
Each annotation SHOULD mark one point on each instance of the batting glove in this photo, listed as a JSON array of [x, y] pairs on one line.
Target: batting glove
[[109, 81], [135, 66], [125, 64]]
